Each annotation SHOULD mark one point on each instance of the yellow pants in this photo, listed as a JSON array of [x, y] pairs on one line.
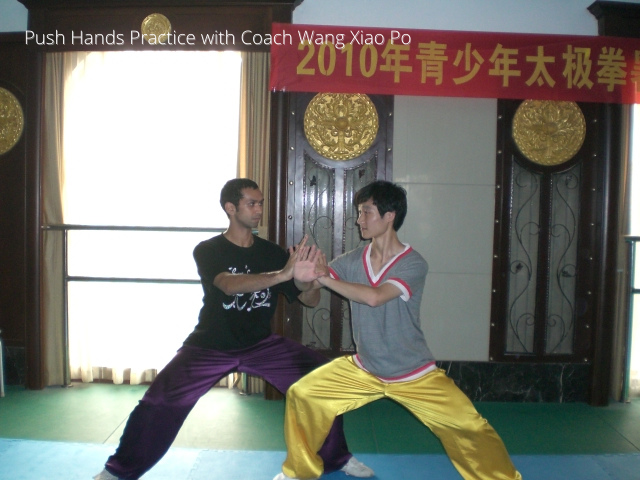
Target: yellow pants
[[473, 446]]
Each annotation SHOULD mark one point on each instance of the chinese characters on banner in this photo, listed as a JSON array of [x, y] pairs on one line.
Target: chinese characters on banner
[[312, 58]]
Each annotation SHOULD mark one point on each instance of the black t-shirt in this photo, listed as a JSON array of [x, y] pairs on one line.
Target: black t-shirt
[[230, 322]]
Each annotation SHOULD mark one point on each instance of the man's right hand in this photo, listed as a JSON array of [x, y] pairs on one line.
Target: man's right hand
[[304, 270]]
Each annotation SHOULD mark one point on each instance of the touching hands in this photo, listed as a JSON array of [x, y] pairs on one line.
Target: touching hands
[[306, 263], [322, 267], [306, 258]]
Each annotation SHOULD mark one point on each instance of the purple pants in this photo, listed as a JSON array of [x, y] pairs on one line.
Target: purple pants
[[154, 423]]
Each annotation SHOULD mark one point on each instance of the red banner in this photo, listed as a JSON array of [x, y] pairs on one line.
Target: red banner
[[313, 58]]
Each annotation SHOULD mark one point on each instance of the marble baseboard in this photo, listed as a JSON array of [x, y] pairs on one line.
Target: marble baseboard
[[520, 382], [480, 381]]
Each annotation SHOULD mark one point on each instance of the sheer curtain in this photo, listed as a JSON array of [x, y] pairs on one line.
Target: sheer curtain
[[54, 338], [132, 139], [254, 147], [254, 138]]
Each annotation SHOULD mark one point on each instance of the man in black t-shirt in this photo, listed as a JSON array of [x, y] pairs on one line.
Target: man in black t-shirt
[[242, 276]]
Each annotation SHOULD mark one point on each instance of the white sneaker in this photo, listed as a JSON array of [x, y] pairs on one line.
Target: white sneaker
[[282, 476], [354, 468], [104, 475]]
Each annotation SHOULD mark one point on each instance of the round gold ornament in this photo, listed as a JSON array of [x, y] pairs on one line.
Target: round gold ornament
[[155, 28], [341, 126], [549, 132], [11, 120]]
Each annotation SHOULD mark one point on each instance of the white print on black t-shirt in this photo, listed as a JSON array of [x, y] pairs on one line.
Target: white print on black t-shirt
[[255, 300]]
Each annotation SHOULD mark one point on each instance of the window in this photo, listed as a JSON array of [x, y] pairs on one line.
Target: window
[[148, 140]]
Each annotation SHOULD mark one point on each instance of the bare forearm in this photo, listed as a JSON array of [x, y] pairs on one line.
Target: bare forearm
[[232, 284], [365, 294], [310, 292], [310, 298], [305, 286]]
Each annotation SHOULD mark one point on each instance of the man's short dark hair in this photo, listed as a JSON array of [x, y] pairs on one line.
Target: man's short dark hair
[[232, 190], [387, 197]]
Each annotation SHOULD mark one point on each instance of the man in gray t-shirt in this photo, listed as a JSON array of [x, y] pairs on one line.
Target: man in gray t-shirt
[[384, 282]]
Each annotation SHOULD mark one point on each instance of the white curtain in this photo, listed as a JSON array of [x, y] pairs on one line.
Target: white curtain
[[254, 150], [57, 69], [132, 139], [255, 134]]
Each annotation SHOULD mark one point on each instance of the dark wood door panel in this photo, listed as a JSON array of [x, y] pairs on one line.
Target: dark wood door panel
[[13, 185], [319, 193]]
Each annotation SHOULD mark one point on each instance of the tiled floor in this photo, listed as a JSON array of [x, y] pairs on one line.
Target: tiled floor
[[223, 419]]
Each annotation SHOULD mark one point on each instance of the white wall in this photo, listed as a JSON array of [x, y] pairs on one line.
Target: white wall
[[13, 16], [444, 154], [526, 16]]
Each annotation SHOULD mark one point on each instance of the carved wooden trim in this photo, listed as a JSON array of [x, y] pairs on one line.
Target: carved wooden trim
[[617, 19]]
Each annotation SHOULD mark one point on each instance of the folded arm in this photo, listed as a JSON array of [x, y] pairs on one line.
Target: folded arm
[[234, 283], [300, 267], [365, 294], [357, 292]]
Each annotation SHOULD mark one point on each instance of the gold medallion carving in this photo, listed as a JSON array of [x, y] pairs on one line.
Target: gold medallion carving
[[11, 120], [549, 132], [155, 28], [341, 126]]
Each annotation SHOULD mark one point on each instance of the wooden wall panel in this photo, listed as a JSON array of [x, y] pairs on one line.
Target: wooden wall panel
[[13, 77]]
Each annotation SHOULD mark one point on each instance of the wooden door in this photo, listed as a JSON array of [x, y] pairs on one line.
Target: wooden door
[[333, 151], [556, 228]]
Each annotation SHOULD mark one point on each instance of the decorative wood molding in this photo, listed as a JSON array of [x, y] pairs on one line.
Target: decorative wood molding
[[341, 126], [11, 120], [617, 19], [548, 132]]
